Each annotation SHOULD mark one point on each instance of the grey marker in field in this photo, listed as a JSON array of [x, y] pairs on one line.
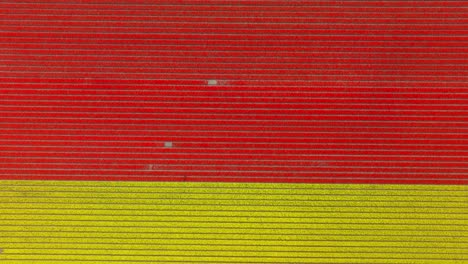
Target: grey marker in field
[[212, 82], [168, 144]]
